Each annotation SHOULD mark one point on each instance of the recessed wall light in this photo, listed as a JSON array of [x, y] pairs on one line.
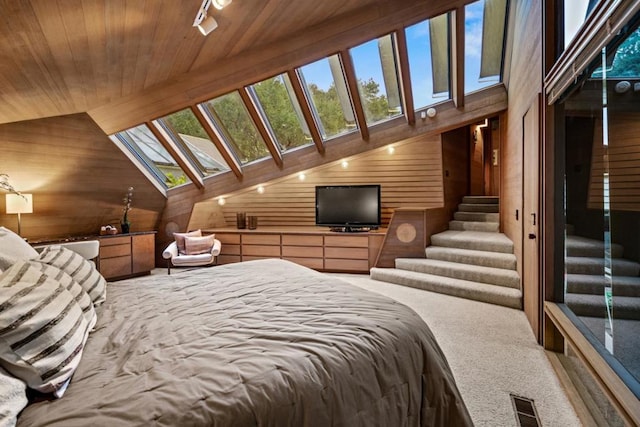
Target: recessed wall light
[[391, 149], [302, 176], [260, 189], [345, 164], [222, 201]]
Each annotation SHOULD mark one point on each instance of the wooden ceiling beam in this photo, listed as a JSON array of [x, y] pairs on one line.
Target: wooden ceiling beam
[[405, 76], [257, 118], [306, 110], [227, 155], [457, 57], [180, 159], [354, 93]]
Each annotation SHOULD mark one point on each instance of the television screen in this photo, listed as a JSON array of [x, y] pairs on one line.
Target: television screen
[[348, 206]]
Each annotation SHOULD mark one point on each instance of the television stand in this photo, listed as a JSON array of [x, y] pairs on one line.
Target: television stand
[[352, 229]]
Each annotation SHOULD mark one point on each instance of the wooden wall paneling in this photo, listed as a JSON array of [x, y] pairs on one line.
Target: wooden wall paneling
[[623, 156], [411, 176], [495, 129], [405, 238], [77, 176], [476, 161], [524, 85], [455, 161]]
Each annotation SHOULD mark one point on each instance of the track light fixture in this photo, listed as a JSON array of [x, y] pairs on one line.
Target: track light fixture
[[207, 23], [221, 4]]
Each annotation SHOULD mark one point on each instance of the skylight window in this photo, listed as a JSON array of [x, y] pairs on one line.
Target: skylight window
[[190, 137], [326, 90], [281, 111], [484, 24], [148, 150], [375, 67], [428, 49], [575, 14], [232, 119]]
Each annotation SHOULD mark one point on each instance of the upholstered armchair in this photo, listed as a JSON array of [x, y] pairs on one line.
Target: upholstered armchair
[[191, 258]]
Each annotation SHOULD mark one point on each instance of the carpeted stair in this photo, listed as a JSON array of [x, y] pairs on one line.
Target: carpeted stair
[[471, 260], [586, 280]]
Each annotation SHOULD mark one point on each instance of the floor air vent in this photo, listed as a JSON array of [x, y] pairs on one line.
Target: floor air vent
[[525, 410]]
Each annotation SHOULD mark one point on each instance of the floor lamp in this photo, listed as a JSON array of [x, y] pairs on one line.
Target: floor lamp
[[19, 204]]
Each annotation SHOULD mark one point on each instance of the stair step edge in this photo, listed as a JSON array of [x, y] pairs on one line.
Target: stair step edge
[[483, 292]]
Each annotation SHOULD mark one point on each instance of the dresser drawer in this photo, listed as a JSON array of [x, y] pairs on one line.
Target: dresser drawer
[[346, 264], [302, 251], [261, 250], [347, 253], [115, 267], [315, 263], [347, 241], [228, 238], [261, 239], [115, 251], [301, 240], [112, 241]]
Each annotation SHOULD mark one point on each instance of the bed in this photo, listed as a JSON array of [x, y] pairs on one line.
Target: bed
[[256, 343]]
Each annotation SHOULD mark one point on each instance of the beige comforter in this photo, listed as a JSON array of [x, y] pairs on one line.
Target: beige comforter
[[265, 343]]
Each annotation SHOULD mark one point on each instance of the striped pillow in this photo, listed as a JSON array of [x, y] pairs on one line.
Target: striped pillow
[[82, 298], [42, 329], [79, 268], [180, 239], [198, 245]]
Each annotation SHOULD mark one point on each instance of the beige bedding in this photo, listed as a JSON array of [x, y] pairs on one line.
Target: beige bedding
[[264, 343]]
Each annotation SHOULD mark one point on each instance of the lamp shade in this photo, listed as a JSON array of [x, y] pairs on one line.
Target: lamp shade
[[19, 204]]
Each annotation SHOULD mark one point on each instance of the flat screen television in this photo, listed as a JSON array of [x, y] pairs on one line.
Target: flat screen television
[[348, 207]]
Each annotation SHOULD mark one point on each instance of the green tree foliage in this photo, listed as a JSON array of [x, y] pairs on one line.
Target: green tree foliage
[[185, 122], [376, 107], [627, 59], [173, 181], [278, 107], [240, 129]]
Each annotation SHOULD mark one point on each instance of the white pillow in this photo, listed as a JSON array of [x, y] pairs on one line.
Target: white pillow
[[13, 248], [199, 245], [13, 398], [82, 271], [42, 329]]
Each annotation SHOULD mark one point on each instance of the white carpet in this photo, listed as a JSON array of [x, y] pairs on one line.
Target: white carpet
[[491, 351]]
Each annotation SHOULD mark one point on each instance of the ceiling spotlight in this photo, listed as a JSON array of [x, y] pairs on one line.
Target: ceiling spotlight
[[207, 25], [221, 4]]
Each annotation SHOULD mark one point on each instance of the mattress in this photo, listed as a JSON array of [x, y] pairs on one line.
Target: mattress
[[266, 343]]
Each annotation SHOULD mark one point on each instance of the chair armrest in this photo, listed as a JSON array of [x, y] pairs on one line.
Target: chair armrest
[[170, 251], [217, 246]]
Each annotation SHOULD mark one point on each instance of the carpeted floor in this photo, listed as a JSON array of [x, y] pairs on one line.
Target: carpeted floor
[[491, 351]]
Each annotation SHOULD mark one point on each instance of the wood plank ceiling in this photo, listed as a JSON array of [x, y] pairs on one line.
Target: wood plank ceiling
[[62, 57], [68, 56]]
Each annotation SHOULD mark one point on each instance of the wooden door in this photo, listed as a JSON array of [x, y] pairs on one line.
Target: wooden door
[[531, 289]]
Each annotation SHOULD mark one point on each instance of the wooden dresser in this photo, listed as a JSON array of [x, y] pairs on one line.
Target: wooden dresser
[[126, 255], [313, 247]]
